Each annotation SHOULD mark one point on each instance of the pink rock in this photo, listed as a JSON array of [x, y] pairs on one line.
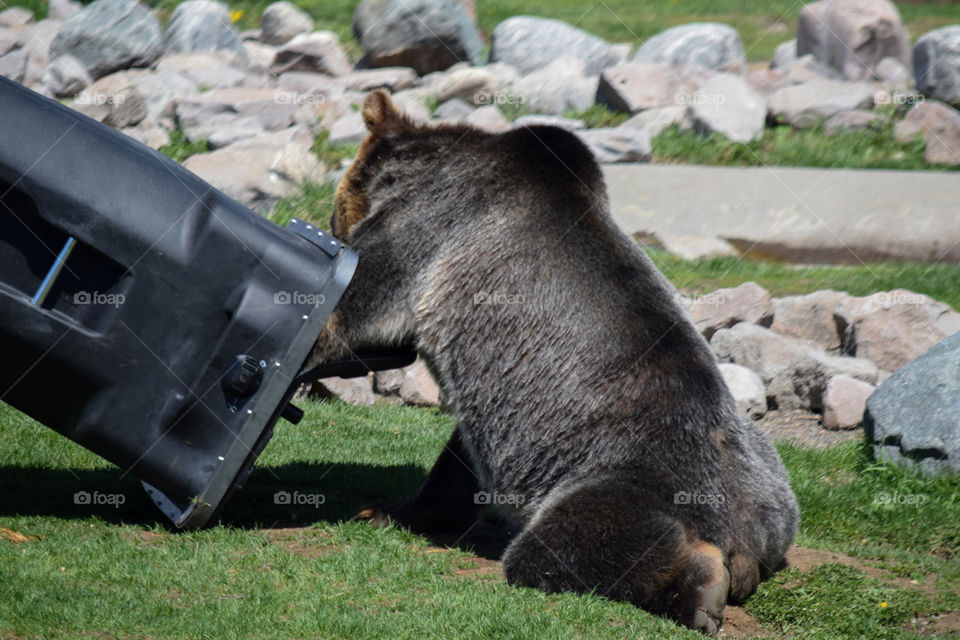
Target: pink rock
[[844, 401], [418, 387], [355, 391], [810, 318], [724, 308]]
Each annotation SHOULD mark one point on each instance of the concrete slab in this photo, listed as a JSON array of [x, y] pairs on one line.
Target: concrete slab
[[795, 214]]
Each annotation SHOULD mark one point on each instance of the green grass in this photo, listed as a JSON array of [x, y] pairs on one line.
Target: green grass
[[598, 115], [117, 572], [180, 148], [939, 281]]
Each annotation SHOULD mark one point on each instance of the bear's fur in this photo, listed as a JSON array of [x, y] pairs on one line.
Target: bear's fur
[[584, 397]]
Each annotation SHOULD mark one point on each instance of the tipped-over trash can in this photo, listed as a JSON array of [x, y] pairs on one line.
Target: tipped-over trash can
[[144, 314]]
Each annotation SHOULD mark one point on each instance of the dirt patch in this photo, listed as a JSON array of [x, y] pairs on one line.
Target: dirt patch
[[946, 625], [737, 623], [302, 541], [804, 559], [15, 536], [803, 428], [481, 568]]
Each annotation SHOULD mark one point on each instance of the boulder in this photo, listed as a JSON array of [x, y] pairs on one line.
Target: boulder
[[319, 52], [656, 120], [348, 129], [282, 21], [569, 124], [612, 144], [808, 104], [418, 387], [844, 401], [258, 171], [727, 105], [66, 76], [223, 129], [810, 318], [393, 79], [388, 383], [936, 64], [637, 86], [352, 391], [795, 373], [427, 35], [708, 45], [274, 108], [529, 43], [891, 328], [853, 36], [912, 418], [36, 40], [747, 389], [202, 25], [8, 41], [154, 136], [930, 119], [854, 120], [63, 9], [477, 85], [894, 74], [724, 308], [455, 109], [563, 85], [109, 35], [784, 55]]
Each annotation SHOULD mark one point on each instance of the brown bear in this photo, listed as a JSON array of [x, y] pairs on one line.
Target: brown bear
[[590, 412]]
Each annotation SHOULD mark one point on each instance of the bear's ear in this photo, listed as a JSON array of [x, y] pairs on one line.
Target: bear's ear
[[380, 114]]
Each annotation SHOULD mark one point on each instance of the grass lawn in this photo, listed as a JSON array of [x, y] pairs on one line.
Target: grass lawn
[[276, 571]]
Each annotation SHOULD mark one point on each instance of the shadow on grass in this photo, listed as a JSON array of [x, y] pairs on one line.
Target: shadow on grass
[[282, 496]]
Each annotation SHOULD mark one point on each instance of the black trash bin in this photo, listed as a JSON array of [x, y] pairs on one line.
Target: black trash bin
[[145, 315]]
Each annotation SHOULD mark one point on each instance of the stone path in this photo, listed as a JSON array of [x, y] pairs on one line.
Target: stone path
[[797, 214]]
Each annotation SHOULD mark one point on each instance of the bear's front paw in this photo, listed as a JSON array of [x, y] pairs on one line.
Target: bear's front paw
[[379, 515]]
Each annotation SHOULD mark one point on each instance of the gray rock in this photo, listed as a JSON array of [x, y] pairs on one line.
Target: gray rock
[[66, 76], [282, 21], [784, 55], [319, 52], [709, 45], [455, 109], [530, 43], [259, 171], [912, 418], [929, 119], [489, 118], [550, 121], [853, 36], [109, 35], [613, 144], [427, 35], [806, 105], [477, 85], [260, 56], [724, 308], [803, 382], [14, 64], [274, 108], [205, 70], [16, 17], [727, 105], [894, 73], [891, 328], [348, 129], [563, 85], [388, 382], [392, 79], [8, 40], [202, 25], [63, 9], [855, 120], [36, 40], [637, 86], [656, 120], [153, 136], [844, 401], [936, 64], [224, 129], [747, 389]]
